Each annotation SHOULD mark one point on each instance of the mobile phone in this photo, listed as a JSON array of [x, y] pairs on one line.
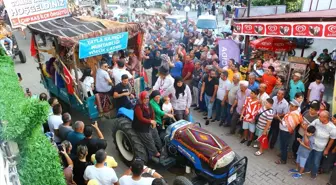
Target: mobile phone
[[93, 121], [60, 148]]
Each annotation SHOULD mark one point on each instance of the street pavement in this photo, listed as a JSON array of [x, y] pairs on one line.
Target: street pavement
[[261, 170]]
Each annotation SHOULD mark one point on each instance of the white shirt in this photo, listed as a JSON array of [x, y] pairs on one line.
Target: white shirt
[[87, 85], [54, 121], [127, 180], [167, 107], [163, 85], [263, 98], [222, 88], [315, 91], [79, 73], [102, 84], [117, 73], [323, 133], [104, 175]]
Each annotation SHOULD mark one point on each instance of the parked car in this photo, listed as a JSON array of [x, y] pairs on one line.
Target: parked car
[[116, 9], [300, 42]]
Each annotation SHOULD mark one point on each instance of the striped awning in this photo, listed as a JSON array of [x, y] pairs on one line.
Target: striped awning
[[70, 30]]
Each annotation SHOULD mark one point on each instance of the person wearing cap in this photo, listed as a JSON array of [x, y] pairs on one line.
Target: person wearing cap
[[295, 86], [237, 107], [209, 91], [325, 136], [316, 89], [269, 79], [287, 127], [65, 128], [133, 175], [165, 80]]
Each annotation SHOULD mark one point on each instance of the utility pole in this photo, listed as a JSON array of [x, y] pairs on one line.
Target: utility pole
[[247, 37]]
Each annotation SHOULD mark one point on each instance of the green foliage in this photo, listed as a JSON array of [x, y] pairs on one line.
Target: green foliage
[[38, 161]]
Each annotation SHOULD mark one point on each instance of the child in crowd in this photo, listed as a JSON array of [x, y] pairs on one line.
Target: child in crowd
[[167, 108], [303, 152]]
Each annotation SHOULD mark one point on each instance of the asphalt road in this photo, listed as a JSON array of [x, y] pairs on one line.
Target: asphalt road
[[261, 170]]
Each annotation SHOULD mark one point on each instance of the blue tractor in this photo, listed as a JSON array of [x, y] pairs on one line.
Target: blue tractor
[[186, 144]]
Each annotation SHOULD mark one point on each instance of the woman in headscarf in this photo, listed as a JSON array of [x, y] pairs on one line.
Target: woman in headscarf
[[145, 125], [180, 98], [155, 98]]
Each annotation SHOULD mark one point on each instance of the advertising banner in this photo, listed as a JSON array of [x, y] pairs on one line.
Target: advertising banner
[[101, 45], [228, 49], [287, 29], [24, 12]]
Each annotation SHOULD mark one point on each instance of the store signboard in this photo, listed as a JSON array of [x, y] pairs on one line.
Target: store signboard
[[101, 45], [287, 29], [228, 49], [308, 30], [278, 29], [24, 12]]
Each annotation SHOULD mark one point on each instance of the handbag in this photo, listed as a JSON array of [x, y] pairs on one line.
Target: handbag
[[258, 115]]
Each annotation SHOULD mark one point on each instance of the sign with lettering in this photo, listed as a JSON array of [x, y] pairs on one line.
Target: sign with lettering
[[24, 12], [101, 45], [228, 49]]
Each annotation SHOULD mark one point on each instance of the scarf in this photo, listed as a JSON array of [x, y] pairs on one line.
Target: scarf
[[179, 90], [143, 106]]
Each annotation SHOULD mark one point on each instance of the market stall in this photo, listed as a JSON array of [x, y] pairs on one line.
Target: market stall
[[317, 24]]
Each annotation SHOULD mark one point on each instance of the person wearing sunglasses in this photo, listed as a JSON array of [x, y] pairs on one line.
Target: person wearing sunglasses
[[133, 175]]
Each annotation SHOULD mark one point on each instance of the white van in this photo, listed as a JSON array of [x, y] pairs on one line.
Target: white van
[[207, 22]]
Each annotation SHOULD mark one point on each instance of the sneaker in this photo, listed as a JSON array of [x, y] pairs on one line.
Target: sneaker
[[306, 172], [207, 122], [193, 105], [293, 170], [313, 177], [248, 143], [297, 176], [243, 141]]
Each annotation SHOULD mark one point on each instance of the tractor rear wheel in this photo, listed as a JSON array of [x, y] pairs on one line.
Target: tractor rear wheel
[[127, 141], [181, 180]]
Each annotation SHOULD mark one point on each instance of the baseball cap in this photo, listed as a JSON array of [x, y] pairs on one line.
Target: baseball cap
[[297, 74], [295, 103]]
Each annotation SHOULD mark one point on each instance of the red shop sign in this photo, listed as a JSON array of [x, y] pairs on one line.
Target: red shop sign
[[278, 29], [258, 29], [310, 30], [237, 28], [330, 30]]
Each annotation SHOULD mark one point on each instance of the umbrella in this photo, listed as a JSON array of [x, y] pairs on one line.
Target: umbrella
[[274, 44]]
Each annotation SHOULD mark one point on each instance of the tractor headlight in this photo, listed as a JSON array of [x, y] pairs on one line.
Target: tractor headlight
[[15, 46], [225, 160]]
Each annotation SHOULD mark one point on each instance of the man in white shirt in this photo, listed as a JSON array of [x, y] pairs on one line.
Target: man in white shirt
[[262, 94], [103, 174], [54, 121], [103, 79], [316, 89], [165, 80], [222, 96], [227, 28], [118, 71], [133, 176]]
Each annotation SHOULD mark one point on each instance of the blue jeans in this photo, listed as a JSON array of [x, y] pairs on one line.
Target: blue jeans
[[10, 42], [284, 142], [313, 162], [228, 113], [220, 110], [208, 104]]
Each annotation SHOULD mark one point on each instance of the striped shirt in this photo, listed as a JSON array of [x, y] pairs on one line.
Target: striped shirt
[[264, 117]]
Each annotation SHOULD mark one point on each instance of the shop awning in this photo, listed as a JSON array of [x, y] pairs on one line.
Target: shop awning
[[317, 24], [70, 30]]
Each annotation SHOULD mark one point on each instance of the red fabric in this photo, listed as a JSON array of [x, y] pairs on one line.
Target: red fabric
[[263, 140], [33, 50], [270, 82], [251, 109], [144, 75], [188, 67], [68, 80], [275, 44], [139, 114]]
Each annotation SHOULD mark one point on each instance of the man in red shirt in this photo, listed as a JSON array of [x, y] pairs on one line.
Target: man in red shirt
[[269, 79], [187, 70]]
